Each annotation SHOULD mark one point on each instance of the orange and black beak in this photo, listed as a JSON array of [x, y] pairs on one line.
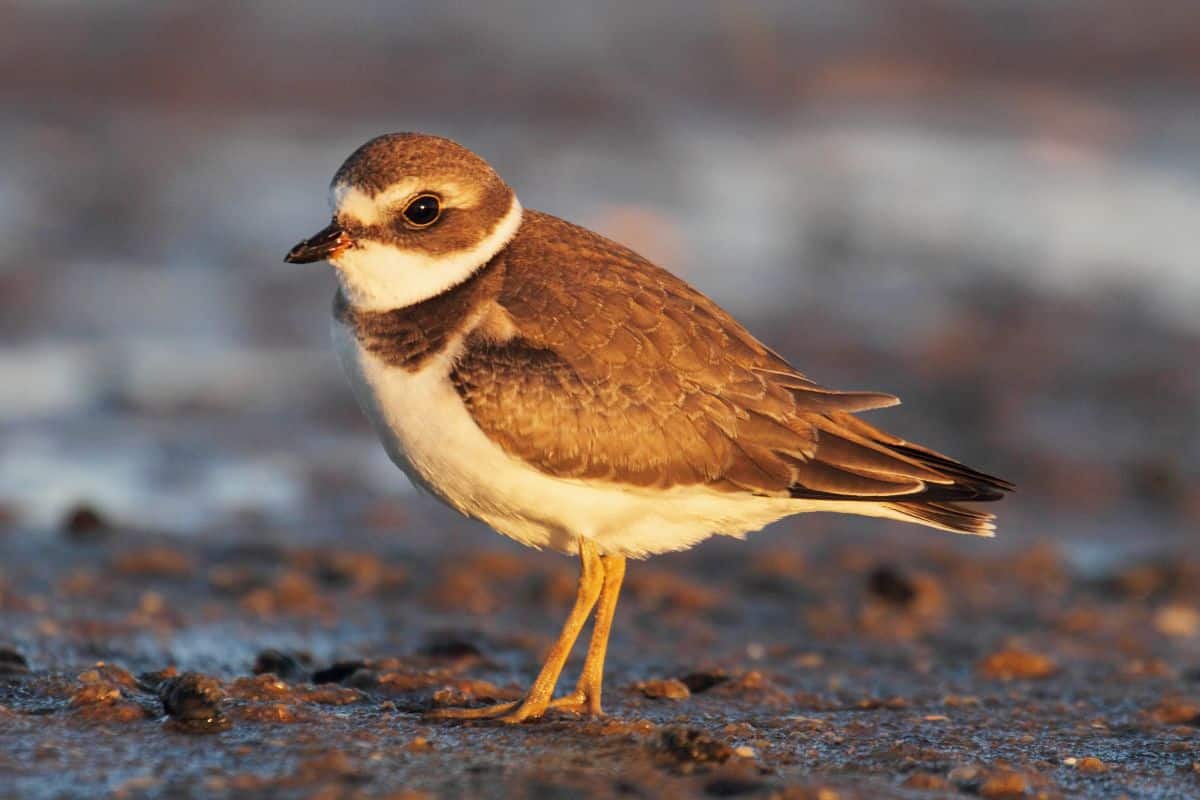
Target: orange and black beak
[[321, 246]]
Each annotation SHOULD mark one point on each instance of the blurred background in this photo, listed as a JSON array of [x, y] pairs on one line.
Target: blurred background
[[989, 208]]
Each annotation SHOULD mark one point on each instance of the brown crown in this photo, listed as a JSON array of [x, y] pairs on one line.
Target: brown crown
[[436, 162]]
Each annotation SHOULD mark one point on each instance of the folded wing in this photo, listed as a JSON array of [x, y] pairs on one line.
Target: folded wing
[[612, 369]]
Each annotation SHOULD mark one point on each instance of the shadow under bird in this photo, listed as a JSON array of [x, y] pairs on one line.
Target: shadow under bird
[[570, 394]]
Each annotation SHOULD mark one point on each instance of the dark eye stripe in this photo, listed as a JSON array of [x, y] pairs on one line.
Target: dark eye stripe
[[423, 211]]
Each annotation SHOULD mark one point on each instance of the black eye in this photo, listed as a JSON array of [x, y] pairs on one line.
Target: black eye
[[423, 211]]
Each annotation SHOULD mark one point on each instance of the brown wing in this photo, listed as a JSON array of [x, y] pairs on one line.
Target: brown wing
[[616, 370]]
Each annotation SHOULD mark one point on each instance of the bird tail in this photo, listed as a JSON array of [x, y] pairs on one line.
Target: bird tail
[[927, 487], [952, 517]]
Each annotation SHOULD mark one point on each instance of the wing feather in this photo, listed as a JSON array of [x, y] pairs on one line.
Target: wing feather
[[616, 370]]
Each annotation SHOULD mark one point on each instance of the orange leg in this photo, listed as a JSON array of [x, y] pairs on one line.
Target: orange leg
[[586, 697], [538, 698]]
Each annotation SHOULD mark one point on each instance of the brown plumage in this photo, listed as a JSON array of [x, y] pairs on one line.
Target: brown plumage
[[587, 361]]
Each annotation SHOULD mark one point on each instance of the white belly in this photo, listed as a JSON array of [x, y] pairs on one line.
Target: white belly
[[429, 434]]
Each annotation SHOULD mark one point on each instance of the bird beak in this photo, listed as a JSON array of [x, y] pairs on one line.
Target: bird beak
[[328, 242]]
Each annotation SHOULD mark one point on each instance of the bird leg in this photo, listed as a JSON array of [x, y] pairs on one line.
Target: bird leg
[[586, 697], [537, 699]]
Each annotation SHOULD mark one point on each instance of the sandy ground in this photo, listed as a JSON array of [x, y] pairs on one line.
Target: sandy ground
[[812, 661]]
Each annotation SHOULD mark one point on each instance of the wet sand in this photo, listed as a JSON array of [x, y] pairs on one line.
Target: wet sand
[[817, 660]]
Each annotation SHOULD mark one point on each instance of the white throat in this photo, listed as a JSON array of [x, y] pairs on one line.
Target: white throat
[[380, 277]]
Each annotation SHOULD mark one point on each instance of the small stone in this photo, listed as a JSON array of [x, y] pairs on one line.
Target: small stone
[[337, 672], [85, 522], [963, 775], [1012, 664], [193, 699], [1177, 711], [151, 681], [260, 688], [281, 665], [160, 562], [692, 745], [364, 679], [100, 697], [698, 682], [927, 781], [873, 703], [669, 689], [269, 713], [450, 696], [95, 694], [890, 585], [329, 695], [465, 691], [1092, 764], [750, 681], [12, 663], [1004, 785], [1177, 621]]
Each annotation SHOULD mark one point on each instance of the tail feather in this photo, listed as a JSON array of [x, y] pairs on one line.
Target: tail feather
[[948, 516], [928, 486]]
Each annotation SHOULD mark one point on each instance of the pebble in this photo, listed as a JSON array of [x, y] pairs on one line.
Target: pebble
[[193, 699], [333, 695], [161, 562], [963, 775], [100, 696], [1092, 764], [890, 585], [1177, 621], [1016, 664], [692, 745], [669, 689], [12, 663], [282, 665], [260, 688], [1177, 711], [927, 781], [1003, 785], [698, 682], [85, 522], [337, 672]]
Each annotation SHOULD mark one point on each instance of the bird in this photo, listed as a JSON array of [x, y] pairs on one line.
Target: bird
[[572, 395]]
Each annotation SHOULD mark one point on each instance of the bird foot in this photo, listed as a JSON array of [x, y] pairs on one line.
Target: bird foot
[[517, 711]]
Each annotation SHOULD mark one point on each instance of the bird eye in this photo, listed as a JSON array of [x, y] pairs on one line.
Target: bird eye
[[423, 211]]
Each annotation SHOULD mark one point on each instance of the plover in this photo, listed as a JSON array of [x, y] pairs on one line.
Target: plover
[[572, 395]]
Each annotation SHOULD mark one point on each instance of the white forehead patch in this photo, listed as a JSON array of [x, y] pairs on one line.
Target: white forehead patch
[[372, 209]]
